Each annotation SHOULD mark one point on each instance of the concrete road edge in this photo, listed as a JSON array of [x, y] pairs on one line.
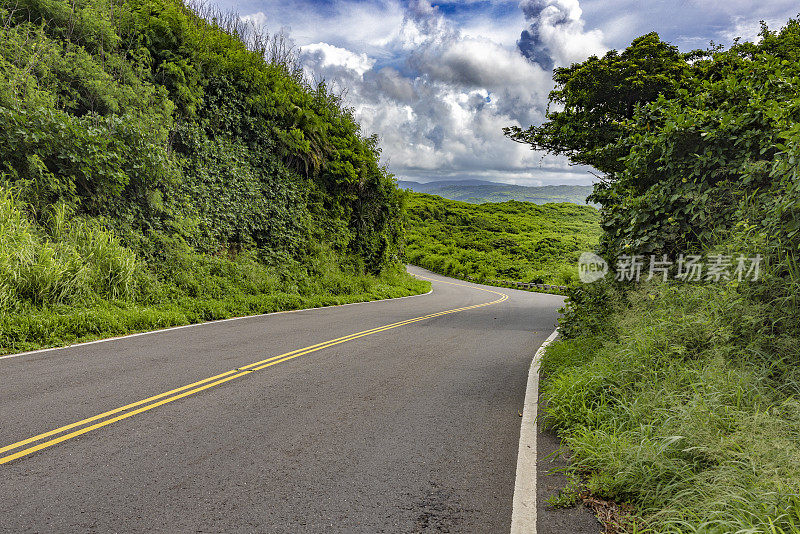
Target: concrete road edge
[[523, 515]]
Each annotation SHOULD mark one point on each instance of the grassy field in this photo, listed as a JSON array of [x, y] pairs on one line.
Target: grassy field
[[516, 241]]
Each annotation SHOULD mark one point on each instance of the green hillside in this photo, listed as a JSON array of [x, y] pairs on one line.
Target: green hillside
[[517, 241], [158, 169], [482, 191]]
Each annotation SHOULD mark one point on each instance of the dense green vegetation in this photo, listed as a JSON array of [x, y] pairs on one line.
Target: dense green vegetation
[[481, 191], [681, 398], [684, 403], [159, 167], [516, 241]]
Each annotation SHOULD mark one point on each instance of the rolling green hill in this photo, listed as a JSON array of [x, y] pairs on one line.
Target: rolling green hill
[[518, 241], [481, 191]]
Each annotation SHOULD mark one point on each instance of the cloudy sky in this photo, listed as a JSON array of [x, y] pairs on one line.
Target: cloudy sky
[[437, 81]]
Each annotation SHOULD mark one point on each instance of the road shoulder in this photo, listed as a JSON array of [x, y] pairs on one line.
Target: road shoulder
[[539, 472], [578, 519]]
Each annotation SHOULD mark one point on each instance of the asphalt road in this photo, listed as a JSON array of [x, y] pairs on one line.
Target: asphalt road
[[410, 429]]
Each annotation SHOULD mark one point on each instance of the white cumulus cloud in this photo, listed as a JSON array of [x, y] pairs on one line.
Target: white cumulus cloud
[[324, 55], [439, 96], [556, 35]]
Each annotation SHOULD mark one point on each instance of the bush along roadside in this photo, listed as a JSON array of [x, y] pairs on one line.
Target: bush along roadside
[[677, 399], [683, 404], [72, 280]]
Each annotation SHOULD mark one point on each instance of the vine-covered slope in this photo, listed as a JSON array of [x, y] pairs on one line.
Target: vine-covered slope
[[151, 153]]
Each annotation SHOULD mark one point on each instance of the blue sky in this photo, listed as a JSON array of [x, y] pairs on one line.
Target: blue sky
[[437, 81]]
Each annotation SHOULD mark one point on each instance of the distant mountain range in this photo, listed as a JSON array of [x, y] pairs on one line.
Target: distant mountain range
[[481, 191]]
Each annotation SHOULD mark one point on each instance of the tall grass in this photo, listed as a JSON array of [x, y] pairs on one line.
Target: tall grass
[[687, 407], [32, 268], [71, 279], [76, 258]]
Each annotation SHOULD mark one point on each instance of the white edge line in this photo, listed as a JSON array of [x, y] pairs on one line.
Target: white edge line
[[523, 514], [52, 349]]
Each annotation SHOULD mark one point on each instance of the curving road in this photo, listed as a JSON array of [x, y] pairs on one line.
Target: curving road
[[411, 425]]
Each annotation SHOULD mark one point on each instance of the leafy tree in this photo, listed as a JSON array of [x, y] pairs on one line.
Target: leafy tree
[[682, 144], [595, 99]]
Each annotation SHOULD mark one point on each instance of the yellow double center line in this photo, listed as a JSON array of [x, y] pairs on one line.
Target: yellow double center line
[[134, 408]]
